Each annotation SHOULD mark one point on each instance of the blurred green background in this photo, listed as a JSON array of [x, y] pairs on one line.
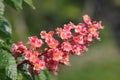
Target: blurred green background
[[102, 61]]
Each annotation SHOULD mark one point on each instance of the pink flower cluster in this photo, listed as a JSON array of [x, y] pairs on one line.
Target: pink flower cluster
[[74, 40]]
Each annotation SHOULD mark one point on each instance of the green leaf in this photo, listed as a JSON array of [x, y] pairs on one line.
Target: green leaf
[[5, 30], [8, 67], [46, 72], [10, 3], [5, 46], [2, 74], [30, 3], [17, 4], [23, 75], [1, 9], [44, 75]]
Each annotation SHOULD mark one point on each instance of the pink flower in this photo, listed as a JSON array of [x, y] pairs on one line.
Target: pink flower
[[35, 42], [39, 65], [96, 35], [72, 25], [54, 54], [81, 40], [34, 57], [78, 39], [84, 31], [31, 57], [83, 48], [87, 19], [66, 46], [90, 37], [52, 65], [58, 31], [45, 35], [52, 43], [65, 59], [67, 27], [98, 25], [64, 33], [27, 54], [57, 55], [78, 28], [17, 50], [76, 50], [92, 30]]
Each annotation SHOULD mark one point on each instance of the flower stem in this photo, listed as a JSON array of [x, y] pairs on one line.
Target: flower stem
[[21, 63]]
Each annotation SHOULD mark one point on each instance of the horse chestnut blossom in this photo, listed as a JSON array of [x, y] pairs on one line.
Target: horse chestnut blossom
[[74, 40], [35, 42]]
